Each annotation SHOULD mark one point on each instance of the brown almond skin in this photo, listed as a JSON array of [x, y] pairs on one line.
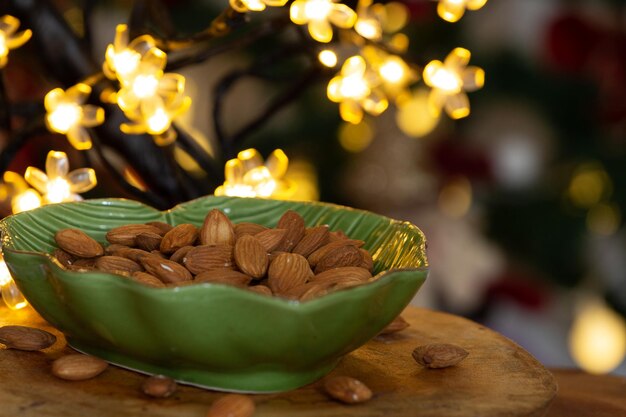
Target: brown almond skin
[[179, 237], [147, 279], [26, 338], [159, 386], [113, 248], [397, 325], [78, 367], [271, 238], [207, 257], [345, 272], [343, 256], [117, 264], [250, 256], [247, 228], [286, 271], [134, 254], [148, 241], [347, 390], [439, 355], [180, 254], [320, 253], [293, 223], [217, 229], [224, 276], [367, 262], [78, 243], [232, 405], [126, 235], [166, 270], [63, 257], [314, 238], [261, 289], [162, 226]]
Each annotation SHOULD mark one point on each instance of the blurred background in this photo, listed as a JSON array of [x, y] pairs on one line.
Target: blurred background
[[522, 201]]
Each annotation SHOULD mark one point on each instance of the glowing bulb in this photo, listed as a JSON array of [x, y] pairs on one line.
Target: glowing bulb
[[444, 80], [126, 62], [392, 71], [369, 29], [354, 87], [597, 339], [327, 58], [11, 295], [26, 200], [3, 45], [64, 117], [317, 9], [9, 39], [158, 122], [58, 190], [145, 86], [5, 275]]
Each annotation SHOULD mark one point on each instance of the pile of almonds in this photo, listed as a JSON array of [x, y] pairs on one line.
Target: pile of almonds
[[290, 261]]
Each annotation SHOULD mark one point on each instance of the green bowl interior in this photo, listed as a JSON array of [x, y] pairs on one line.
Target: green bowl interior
[[210, 334]]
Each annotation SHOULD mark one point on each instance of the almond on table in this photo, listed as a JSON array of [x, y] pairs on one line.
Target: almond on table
[[291, 260]]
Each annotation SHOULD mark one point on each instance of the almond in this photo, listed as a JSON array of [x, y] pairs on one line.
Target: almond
[[398, 324], [207, 257], [439, 355], [314, 238], [63, 257], [111, 249], [217, 229], [117, 264], [286, 271], [166, 270], [261, 289], [250, 256], [148, 241], [367, 262], [343, 256], [159, 386], [180, 236], [126, 235], [341, 273], [26, 338], [180, 254], [247, 228], [85, 263], [271, 238], [162, 226], [316, 256], [133, 254], [232, 405], [337, 235], [147, 279], [77, 367], [224, 276], [293, 223], [78, 243], [347, 390]]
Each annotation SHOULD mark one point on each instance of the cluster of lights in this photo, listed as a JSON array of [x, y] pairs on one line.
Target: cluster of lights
[[248, 176], [453, 10]]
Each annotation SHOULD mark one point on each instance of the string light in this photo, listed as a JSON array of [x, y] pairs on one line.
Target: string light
[[122, 58], [415, 116], [319, 14], [355, 91], [67, 114], [453, 10], [375, 19], [248, 176], [394, 73], [11, 295], [243, 6], [23, 197], [328, 58], [58, 184], [450, 80], [9, 39]]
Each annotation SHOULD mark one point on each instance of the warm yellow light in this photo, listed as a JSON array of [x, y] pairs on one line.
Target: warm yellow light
[[354, 87], [58, 190], [604, 219], [145, 86], [317, 9], [26, 200], [393, 70], [328, 58], [319, 14], [302, 173], [11, 295], [9, 39], [597, 338], [368, 28], [158, 122], [64, 117], [356, 137], [247, 176], [437, 76], [126, 62], [455, 198], [415, 116], [589, 185]]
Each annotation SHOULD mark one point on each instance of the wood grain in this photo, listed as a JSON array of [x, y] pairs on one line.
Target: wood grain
[[497, 379]]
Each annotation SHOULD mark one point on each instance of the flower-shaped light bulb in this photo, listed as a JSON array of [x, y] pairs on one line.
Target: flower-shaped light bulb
[[11, 295], [58, 184], [319, 14], [394, 73], [453, 10], [23, 198], [355, 91], [9, 39], [450, 80], [374, 20], [248, 176], [243, 6], [122, 57], [67, 114]]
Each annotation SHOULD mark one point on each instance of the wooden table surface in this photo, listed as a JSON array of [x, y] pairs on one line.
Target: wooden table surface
[[497, 379]]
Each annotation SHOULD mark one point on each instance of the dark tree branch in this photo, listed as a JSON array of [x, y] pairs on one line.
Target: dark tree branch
[[5, 109], [18, 139]]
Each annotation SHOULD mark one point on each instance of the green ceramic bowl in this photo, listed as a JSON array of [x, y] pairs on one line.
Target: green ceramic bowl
[[212, 335]]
